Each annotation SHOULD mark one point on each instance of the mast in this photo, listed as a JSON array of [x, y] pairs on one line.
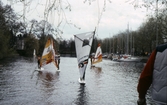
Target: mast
[[157, 23], [133, 41], [113, 44], [127, 48], [109, 44]]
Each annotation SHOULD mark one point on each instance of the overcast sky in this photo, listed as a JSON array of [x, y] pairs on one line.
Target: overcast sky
[[85, 16]]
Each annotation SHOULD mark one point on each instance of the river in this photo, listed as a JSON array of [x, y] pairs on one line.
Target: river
[[109, 83]]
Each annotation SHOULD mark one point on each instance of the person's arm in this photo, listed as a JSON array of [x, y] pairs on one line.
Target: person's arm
[[145, 79]]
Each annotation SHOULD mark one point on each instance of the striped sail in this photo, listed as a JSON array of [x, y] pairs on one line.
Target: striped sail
[[98, 55], [83, 43], [48, 55]]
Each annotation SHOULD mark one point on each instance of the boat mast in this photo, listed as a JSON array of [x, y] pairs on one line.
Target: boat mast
[[127, 40], [157, 23]]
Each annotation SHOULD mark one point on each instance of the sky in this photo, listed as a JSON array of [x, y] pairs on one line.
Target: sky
[[84, 16]]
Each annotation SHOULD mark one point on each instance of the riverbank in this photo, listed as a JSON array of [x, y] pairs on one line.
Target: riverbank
[[8, 58]]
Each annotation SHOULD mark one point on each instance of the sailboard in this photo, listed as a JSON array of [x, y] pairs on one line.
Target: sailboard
[[98, 55], [83, 43], [48, 55]]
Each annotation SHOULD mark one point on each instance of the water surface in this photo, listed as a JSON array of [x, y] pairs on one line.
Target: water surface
[[108, 83]]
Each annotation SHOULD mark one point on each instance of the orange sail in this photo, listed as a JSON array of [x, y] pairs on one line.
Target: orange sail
[[98, 56], [48, 55]]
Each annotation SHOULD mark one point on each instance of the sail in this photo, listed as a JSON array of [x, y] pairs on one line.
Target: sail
[[83, 43], [98, 55], [34, 54], [48, 53]]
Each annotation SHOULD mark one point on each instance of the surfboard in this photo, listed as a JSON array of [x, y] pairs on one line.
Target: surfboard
[[81, 81], [58, 70], [39, 70]]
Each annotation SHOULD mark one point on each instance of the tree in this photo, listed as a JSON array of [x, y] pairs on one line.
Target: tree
[[31, 43], [5, 32]]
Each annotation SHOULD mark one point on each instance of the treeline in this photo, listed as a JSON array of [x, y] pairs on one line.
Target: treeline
[[6, 47], [33, 35], [21, 37]]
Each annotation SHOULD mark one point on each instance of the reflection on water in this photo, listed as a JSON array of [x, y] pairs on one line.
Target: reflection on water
[[47, 81], [48, 76], [97, 70], [82, 98]]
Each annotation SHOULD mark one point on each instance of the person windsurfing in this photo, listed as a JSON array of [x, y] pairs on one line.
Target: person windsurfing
[[38, 61]]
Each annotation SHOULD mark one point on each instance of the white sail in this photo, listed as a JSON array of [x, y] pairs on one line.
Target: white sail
[[83, 43], [34, 54]]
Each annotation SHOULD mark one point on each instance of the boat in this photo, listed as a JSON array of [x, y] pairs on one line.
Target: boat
[[98, 56], [48, 55], [83, 44], [128, 58]]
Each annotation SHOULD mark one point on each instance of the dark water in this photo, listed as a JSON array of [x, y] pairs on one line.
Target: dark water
[[109, 83]]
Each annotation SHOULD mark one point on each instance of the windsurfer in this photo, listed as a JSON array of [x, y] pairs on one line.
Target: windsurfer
[[57, 59], [39, 66], [91, 59]]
